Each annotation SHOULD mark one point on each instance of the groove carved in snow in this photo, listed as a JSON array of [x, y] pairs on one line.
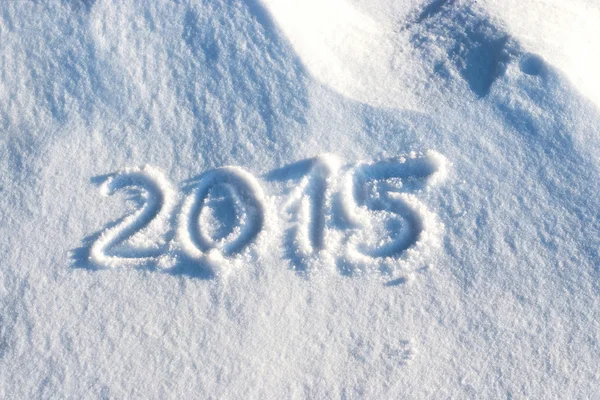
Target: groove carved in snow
[[320, 212]]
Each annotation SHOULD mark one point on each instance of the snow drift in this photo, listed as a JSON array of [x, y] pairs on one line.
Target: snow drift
[[307, 199]]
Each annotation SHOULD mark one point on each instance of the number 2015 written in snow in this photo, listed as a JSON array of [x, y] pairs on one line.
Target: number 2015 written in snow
[[317, 211]]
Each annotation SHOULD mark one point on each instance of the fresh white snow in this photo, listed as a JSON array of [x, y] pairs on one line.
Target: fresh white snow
[[300, 199]]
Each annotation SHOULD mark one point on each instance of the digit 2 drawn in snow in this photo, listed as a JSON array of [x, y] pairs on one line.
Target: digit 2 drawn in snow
[[322, 214], [120, 244]]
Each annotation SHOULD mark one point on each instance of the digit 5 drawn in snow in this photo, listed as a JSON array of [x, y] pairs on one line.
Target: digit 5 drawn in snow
[[388, 221], [349, 217]]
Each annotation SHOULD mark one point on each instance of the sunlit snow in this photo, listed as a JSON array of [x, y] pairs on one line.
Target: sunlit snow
[[300, 199]]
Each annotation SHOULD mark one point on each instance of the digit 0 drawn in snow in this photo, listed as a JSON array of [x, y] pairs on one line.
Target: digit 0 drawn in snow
[[242, 198], [124, 243], [349, 217]]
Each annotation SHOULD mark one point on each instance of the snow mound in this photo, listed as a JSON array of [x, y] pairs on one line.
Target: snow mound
[[260, 199]]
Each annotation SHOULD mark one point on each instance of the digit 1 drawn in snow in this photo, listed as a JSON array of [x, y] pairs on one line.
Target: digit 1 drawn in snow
[[243, 196], [124, 244], [309, 206], [380, 201]]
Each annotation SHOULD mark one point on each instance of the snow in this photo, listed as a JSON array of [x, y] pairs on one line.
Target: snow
[[300, 199]]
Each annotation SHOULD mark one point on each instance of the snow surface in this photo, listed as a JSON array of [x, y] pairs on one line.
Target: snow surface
[[300, 199]]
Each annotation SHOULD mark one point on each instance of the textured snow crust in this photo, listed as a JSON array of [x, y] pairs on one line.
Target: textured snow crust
[[261, 199]]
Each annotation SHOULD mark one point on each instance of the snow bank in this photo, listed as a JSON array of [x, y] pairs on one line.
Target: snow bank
[[342, 199]]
